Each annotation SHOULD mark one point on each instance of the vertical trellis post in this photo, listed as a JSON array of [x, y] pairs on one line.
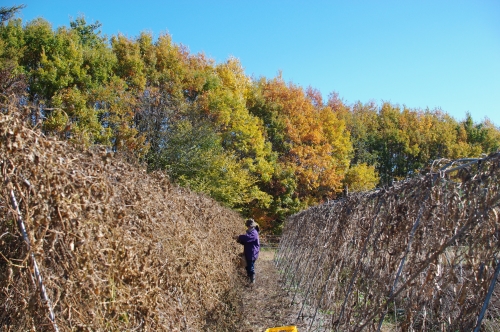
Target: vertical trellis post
[[38, 275], [332, 267], [361, 255], [488, 296], [402, 263], [312, 281]]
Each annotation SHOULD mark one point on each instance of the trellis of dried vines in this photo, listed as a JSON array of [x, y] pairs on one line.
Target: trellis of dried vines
[[118, 249], [420, 255]]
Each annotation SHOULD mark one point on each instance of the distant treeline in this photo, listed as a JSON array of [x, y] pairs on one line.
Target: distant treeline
[[262, 146]]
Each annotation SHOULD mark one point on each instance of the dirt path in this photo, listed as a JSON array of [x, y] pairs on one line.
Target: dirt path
[[265, 303]]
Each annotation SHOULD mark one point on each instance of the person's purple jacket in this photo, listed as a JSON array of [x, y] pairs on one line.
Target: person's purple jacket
[[251, 244]]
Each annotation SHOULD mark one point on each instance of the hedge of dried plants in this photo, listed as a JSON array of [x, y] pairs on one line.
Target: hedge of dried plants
[[116, 249], [422, 255]]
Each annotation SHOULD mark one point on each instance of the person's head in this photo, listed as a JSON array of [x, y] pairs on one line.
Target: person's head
[[250, 223]]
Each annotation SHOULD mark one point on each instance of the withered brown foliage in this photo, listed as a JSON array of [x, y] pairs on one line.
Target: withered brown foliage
[[118, 249], [420, 255]]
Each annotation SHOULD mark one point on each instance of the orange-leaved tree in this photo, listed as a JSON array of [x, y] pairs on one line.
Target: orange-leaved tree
[[312, 143]]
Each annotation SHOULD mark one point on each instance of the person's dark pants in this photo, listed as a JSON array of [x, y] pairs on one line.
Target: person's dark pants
[[250, 269]]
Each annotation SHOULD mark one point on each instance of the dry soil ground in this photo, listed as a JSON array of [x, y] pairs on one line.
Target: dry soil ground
[[265, 304]]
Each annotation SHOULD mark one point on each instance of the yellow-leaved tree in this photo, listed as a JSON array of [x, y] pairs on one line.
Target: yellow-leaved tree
[[312, 144]]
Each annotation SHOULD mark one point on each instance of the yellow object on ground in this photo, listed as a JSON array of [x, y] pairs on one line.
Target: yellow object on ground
[[283, 329]]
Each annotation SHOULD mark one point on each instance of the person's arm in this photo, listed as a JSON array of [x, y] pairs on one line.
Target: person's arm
[[242, 239], [248, 237]]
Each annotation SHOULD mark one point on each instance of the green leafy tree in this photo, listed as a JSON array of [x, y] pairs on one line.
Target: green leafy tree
[[491, 142], [480, 137], [60, 66], [11, 45], [194, 157], [98, 59], [362, 124], [38, 38], [242, 133], [361, 177], [264, 147], [6, 13], [114, 106], [130, 65], [73, 119]]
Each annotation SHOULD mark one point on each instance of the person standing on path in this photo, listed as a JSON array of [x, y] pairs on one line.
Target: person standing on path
[[251, 247]]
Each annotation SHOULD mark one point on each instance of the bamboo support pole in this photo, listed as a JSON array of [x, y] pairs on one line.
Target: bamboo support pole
[[375, 235], [488, 296], [468, 225], [36, 270], [408, 246], [361, 255]]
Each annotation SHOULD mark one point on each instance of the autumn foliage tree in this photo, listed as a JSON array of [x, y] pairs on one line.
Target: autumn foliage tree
[[311, 143], [263, 147]]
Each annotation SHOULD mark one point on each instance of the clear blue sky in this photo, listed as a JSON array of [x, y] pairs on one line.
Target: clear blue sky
[[423, 54]]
